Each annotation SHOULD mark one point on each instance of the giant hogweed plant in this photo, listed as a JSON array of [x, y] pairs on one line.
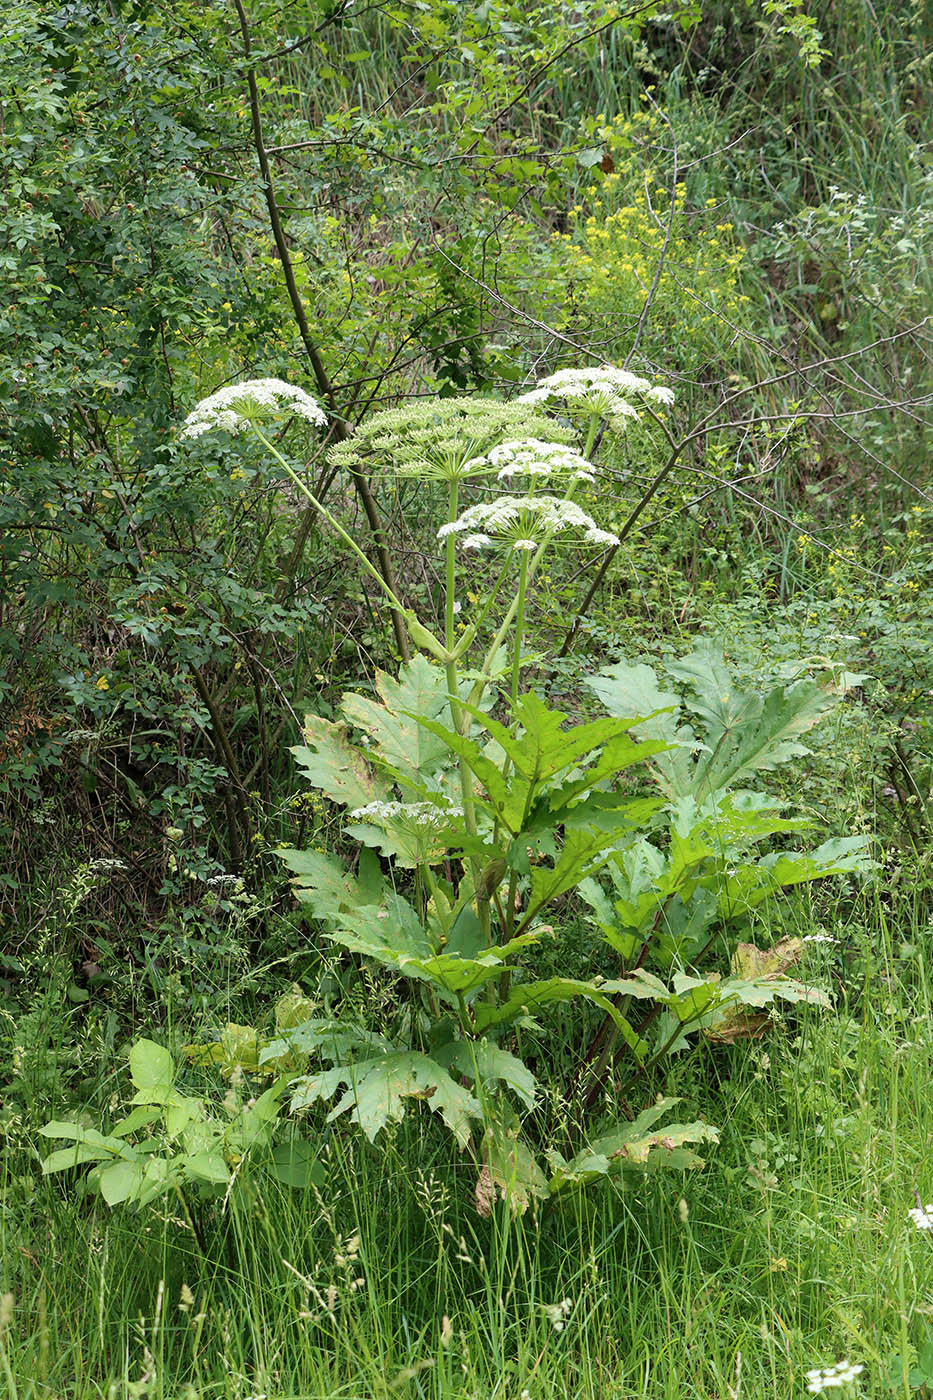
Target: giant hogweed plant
[[471, 807]]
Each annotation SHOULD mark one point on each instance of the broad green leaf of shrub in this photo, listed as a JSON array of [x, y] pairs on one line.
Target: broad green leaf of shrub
[[120, 1181], [296, 1164], [152, 1070], [335, 766], [633, 1147], [398, 738], [378, 1088]]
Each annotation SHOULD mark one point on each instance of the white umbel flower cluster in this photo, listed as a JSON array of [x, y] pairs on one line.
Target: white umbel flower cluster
[[843, 1373], [418, 817], [608, 391], [238, 405], [922, 1216], [534, 458], [522, 523]]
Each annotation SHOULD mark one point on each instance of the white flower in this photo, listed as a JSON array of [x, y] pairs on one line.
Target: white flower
[[532, 457], [522, 522], [570, 383], [607, 391], [818, 938], [922, 1216], [238, 405], [843, 1373], [226, 419], [415, 816]]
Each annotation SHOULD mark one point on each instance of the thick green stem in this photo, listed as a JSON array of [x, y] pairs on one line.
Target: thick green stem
[[519, 628], [451, 580], [591, 434]]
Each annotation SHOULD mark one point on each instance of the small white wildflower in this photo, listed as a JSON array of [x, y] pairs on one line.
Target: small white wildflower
[[557, 1313], [922, 1216], [236, 406], [105, 865], [659, 394], [225, 882], [843, 1373], [818, 938], [527, 545]]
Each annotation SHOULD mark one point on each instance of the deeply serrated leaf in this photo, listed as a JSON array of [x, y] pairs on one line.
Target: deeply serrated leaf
[[627, 690], [378, 1088], [335, 766], [751, 884], [525, 999], [510, 1168], [398, 738], [633, 1146], [485, 1062], [744, 731]]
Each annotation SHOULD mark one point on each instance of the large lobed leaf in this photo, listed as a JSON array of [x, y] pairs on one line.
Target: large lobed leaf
[[399, 740], [332, 764], [634, 1146], [377, 1090], [744, 732]]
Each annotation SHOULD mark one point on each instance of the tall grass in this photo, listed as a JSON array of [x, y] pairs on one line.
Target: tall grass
[[791, 1249]]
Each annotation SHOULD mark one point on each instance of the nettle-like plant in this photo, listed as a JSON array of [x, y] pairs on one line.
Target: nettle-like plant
[[472, 807]]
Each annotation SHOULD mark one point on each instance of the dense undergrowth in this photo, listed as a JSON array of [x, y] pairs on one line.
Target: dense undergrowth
[[410, 203]]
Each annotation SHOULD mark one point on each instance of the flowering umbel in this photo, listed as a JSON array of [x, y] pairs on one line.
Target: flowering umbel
[[237, 406], [608, 391], [536, 459], [523, 523]]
